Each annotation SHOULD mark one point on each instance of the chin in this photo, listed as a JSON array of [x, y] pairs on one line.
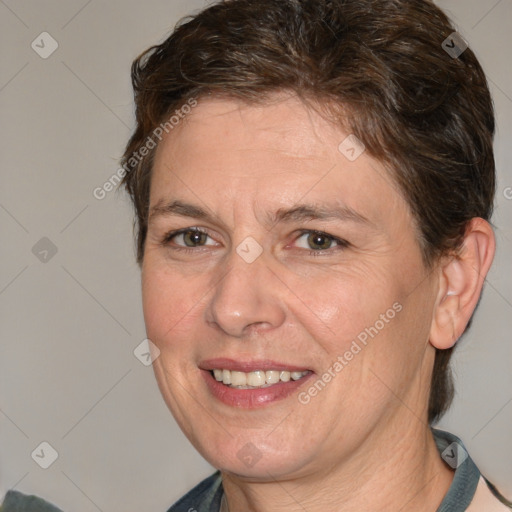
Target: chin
[[255, 459]]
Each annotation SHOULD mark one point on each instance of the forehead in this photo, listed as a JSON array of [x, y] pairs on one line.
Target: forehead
[[278, 153], [283, 123]]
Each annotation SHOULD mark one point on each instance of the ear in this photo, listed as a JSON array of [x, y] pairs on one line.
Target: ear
[[461, 279]]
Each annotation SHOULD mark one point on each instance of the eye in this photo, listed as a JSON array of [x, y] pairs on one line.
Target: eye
[[318, 241], [190, 237]]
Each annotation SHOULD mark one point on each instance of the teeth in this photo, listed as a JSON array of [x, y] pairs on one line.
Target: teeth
[[271, 377], [257, 379], [238, 378], [285, 376]]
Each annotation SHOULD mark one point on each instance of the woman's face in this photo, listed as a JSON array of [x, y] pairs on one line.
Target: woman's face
[[306, 267]]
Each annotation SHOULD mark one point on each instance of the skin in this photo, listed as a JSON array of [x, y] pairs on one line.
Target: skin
[[363, 442]]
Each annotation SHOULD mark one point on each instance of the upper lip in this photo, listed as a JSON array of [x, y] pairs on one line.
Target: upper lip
[[223, 363]]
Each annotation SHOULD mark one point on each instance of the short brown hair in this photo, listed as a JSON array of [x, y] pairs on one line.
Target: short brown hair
[[426, 114]]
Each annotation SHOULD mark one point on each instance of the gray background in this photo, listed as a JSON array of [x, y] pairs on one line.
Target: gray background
[[70, 324]]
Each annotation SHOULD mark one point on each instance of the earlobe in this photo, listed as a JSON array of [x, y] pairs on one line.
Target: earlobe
[[461, 279], [443, 331]]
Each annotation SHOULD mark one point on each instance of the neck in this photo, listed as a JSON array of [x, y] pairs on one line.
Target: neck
[[404, 472]]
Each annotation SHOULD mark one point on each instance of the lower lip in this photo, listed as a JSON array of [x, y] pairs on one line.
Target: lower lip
[[252, 398]]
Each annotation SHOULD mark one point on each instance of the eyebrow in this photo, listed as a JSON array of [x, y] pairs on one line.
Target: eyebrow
[[300, 212]]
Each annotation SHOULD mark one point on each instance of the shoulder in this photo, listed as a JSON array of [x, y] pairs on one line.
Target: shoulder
[[487, 499], [204, 497], [16, 501]]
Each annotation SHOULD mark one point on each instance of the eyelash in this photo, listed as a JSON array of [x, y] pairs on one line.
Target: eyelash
[[172, 234]]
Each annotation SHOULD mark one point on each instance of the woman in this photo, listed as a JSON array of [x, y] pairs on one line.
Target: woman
[[313, 235], [313, 182]]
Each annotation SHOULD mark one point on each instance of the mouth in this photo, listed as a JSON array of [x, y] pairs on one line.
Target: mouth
[[258, 379], [254, 384]]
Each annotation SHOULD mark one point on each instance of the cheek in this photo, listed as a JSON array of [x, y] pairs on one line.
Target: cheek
[[395, 357], [375, 317], [152, 304], [168, 305], [343, 303]]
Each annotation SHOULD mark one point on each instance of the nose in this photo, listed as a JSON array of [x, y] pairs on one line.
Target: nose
[[246, 299]]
